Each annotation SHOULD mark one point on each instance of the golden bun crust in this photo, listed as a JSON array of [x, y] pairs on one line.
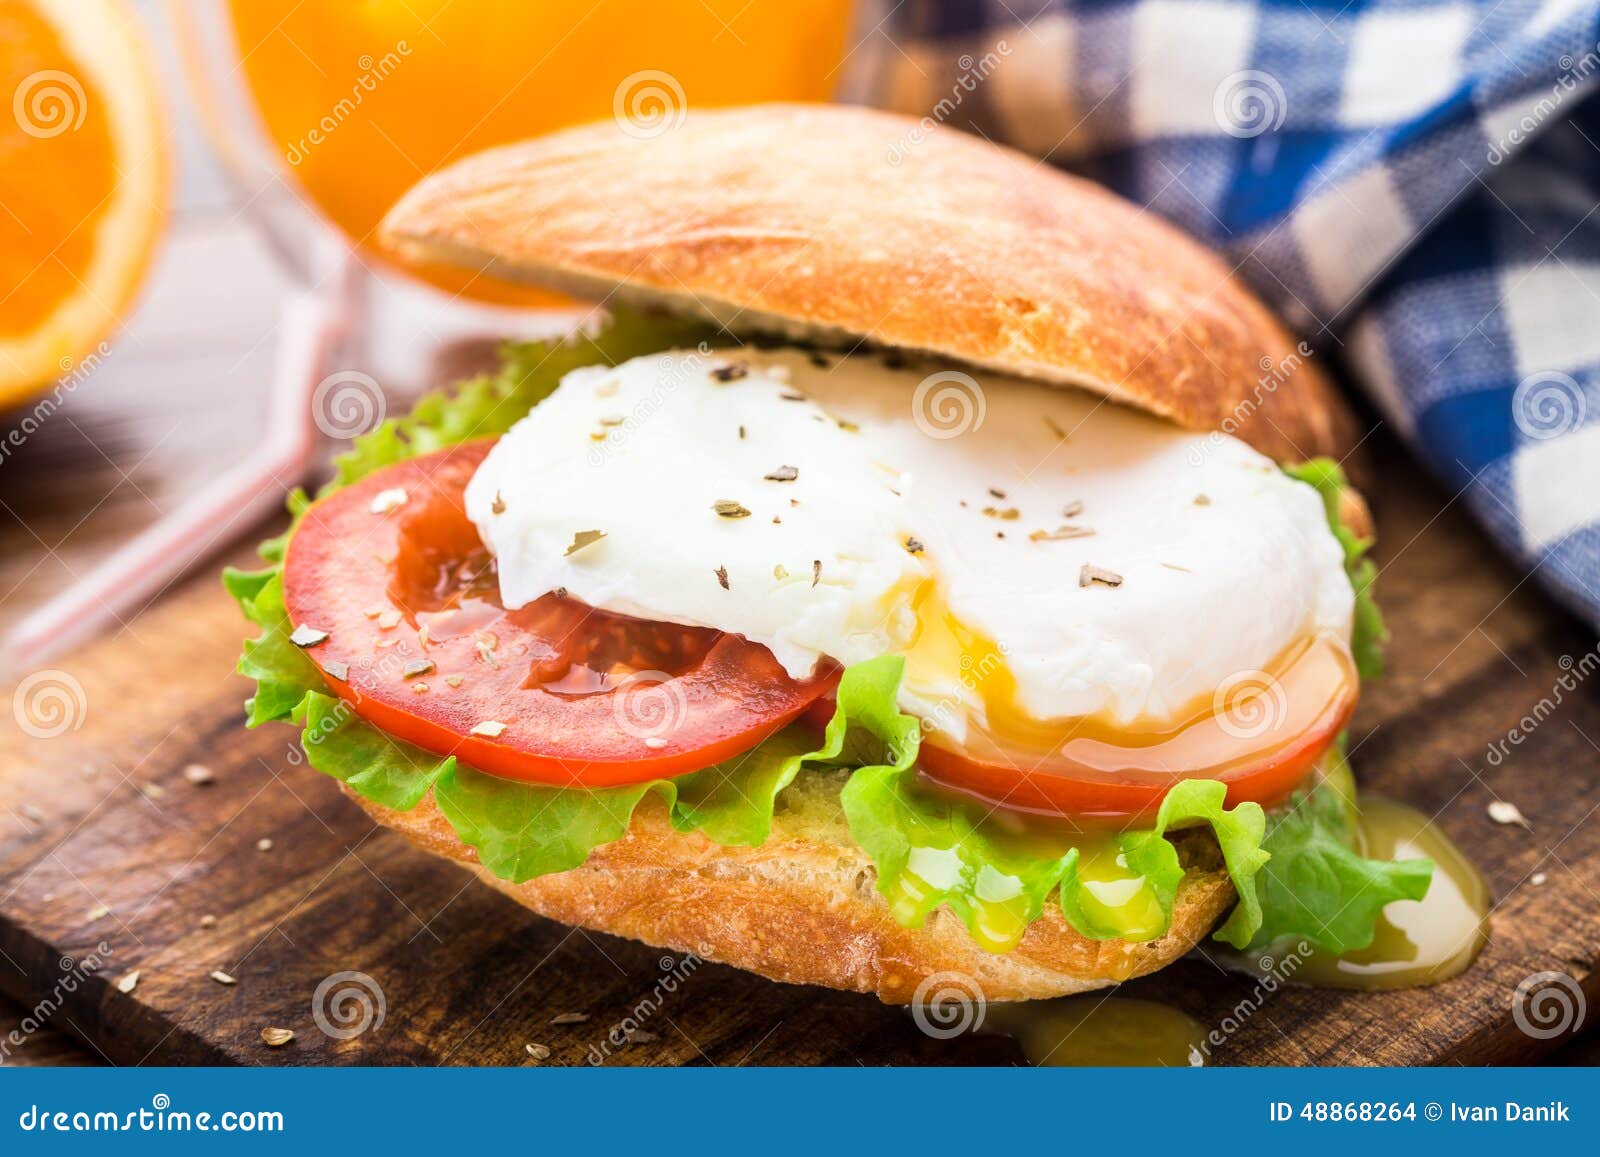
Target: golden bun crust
[[839, 223], [802, 908]]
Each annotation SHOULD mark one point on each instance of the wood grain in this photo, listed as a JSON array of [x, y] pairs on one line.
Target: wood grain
[[469, 978]]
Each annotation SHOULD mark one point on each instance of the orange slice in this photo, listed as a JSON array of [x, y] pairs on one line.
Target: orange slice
[[83, 181]]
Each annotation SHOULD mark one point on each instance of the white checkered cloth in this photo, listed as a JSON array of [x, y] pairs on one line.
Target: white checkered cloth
[[1414, 184]]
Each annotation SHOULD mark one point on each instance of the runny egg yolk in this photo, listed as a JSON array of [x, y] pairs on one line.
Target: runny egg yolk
[[1250, 715], [944, 650], [1113, 896]]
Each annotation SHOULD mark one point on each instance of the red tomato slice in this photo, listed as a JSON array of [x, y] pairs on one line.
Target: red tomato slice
[[1062, 787], [556, 692], [1262, 754]]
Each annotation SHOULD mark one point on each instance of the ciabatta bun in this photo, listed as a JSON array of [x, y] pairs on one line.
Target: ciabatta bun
[[800, 220], [802, 907]]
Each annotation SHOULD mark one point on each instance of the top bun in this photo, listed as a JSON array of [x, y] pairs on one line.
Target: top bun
[[838, 224]]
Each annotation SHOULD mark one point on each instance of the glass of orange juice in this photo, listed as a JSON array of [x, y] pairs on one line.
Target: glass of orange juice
[[328, 110]]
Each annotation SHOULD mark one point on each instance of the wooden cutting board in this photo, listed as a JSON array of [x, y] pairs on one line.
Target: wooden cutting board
[[110, 861]]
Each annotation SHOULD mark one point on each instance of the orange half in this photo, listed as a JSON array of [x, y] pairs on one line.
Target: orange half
[[83, 181]]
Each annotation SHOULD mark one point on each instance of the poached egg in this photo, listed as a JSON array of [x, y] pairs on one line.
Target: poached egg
[[1037, 554]]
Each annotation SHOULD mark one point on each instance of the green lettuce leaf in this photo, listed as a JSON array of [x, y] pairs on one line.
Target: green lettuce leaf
[[524, 830], [1317, 887], [376, 766], [996, 874], [1151, 855], [733, 802], [282, 672], [1367, 632]]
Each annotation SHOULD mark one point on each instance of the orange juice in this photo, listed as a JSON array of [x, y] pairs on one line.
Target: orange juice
[[364, 97]]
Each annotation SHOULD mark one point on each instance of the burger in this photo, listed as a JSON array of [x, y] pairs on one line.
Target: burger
[[927, 562]]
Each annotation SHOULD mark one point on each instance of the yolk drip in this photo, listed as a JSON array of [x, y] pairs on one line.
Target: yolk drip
[[1101, 1031], [1252, 715], [1114, 894], [944, 644]]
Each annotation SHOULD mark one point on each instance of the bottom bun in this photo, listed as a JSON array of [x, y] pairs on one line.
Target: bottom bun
[[802, 907]]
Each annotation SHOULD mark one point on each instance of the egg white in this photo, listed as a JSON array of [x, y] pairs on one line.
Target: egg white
[[915, 488]]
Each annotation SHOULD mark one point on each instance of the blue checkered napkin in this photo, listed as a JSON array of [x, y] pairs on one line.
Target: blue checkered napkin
[[1414, 184]]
